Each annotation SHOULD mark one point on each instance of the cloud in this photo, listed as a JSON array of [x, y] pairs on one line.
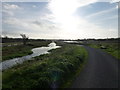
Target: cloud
[[90, 30], [86, 2], [100, 13], [74, 26], [10, 6], [7, 13], [33, 28], [12, 21], [59, 23], [45, 24], [25, 0], [37, 23], [86, 29], [34, 6], [76, 3], [114, 1], [109, 18], [117, 6], [9, 9], [50, 0]]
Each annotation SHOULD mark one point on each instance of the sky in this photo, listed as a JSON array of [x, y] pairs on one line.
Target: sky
[[61, 19]]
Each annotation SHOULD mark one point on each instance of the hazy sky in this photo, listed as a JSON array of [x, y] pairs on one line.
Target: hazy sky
[[61, 19]]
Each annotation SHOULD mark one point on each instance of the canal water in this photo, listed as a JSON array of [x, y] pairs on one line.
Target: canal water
[[36, 52]]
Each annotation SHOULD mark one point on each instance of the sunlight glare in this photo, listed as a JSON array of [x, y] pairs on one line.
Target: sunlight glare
[[63, 11]]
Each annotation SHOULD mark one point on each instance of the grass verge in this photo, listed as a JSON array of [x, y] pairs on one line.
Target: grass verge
[[111, 48], [53, 70]]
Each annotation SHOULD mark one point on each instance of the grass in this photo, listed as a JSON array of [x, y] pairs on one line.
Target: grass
[[21, 50], [15, 51], [111, 48], [56, 69]]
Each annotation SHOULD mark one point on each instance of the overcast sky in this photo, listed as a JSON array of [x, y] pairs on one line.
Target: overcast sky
[[61, 19]]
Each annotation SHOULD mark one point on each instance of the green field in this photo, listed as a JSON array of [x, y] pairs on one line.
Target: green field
[[56, 69], [111, 48], [20, 50]]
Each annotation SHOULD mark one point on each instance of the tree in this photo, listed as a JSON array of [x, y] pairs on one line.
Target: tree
[[6, 37], [25, 38]]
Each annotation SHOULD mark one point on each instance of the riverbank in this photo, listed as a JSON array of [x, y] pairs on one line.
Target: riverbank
[[53, 70], [36, 52], [20, 50]]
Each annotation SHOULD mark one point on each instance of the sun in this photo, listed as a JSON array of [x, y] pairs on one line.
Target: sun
[[63, 11]]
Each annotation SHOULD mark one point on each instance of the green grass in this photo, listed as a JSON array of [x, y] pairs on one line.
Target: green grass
[[58, 69], [15, 51], [1, 80], [111, 48], [21, 50]]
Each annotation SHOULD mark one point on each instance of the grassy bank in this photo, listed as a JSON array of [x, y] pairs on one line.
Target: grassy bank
[[20, 50], [56, 69], [111, 48]]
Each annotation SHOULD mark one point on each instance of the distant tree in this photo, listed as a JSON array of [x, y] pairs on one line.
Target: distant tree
[[6, 37], [25, 38], [78, 39]]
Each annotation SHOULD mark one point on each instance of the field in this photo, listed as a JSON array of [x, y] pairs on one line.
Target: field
[[57, 69], [13, 51]]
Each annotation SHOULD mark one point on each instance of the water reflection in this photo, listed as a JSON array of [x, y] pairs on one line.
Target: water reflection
[[53, 44], [36, 52]]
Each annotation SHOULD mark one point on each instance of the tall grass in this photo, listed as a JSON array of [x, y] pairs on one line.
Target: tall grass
[[46, 71]]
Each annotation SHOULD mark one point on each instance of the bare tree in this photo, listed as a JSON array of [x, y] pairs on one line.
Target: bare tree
[[25, 38]]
